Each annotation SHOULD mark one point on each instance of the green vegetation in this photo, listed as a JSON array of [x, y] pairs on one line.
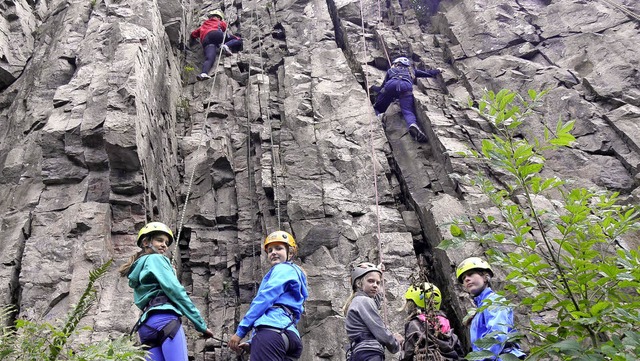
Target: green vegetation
[[28, 340], [559, 245], [187, 73]]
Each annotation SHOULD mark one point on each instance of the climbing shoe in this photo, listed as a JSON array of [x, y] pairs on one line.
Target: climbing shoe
[[417, 134], [226, 49], [203, 76]]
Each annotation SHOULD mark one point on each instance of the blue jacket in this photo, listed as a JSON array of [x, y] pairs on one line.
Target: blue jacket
[[151, 275], [494, 318], [285, 284]]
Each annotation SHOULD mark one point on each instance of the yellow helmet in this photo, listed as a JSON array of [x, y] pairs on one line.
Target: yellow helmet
[[217, 13], [280, 237], [472, 263], [427, 291], [154, 227]]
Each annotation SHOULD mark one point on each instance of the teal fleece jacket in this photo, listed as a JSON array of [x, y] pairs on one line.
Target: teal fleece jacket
[[151, 275]]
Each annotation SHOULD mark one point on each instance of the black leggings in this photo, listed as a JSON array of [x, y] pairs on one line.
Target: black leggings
[[210, 45], [367, 355]]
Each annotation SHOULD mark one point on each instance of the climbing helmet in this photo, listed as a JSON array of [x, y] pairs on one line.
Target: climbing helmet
[[217, 13], [154, 227], [362, 269], [428, 291], [472, 263], [402, 60], [280, 237]]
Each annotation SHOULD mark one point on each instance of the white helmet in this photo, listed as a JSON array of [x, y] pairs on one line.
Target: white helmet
[[361, 270], [402, 60]]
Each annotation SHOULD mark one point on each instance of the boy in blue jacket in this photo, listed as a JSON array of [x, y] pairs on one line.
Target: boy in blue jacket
[[475, 275], [276, 309], [398, 84]]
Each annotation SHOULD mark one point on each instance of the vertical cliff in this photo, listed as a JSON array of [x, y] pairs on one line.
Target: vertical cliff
[[103, 127]]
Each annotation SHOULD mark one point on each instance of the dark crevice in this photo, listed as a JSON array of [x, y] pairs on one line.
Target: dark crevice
[[342, 41]]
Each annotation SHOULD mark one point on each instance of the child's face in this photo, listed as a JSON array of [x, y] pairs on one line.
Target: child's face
[[277, 253], [371, 283], [159, 243], [474, 281]]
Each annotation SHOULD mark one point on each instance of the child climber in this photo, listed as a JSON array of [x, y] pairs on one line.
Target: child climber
[[398, 84], [427, 330], [213, 33], [160, 296], [475, 275], [276, 309], [367, 333]]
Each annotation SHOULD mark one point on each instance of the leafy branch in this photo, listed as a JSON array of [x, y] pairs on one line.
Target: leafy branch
[[565, 259]]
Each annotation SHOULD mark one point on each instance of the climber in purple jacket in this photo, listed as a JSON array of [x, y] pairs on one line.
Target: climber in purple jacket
[[398, 84]]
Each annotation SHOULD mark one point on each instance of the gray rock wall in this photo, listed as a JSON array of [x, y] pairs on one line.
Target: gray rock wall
[[103, 128]]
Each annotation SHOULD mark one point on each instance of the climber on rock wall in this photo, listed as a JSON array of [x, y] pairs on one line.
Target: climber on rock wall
[[213, 33], [398, 84]]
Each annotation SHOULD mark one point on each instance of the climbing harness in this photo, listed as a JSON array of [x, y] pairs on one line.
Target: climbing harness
[[168, 331]]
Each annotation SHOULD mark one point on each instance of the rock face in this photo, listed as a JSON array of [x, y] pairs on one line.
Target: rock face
[[103, 128]]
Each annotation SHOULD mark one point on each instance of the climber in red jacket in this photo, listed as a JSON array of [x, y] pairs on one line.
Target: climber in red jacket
[[212, 35]]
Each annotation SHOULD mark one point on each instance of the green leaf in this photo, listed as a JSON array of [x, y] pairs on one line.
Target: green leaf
[[446, 244], [479, 355], [599, 307], [455, 231], [509, 357]]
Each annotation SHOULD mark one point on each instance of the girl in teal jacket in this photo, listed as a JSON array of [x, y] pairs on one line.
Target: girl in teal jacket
[[160, 296], [276, 309]]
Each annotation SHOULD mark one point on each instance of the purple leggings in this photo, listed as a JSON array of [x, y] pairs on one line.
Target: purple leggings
[[401, 90], [171, 349]]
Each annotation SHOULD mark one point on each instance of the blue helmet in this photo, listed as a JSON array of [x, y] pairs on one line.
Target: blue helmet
[[402, 60]]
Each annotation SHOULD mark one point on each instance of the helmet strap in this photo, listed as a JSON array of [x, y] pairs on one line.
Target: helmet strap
[[149, 244]]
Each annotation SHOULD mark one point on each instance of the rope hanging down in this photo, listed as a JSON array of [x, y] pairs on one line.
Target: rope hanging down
[[249, 172], [202, 135], [623, 8], [374, 160]]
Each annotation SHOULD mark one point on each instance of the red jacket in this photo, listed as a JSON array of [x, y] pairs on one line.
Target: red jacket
[[211, 24]]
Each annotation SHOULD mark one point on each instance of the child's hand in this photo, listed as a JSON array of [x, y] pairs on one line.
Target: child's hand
[[399, 338]]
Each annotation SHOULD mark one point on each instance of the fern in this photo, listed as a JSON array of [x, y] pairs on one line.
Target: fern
[[87, 300]]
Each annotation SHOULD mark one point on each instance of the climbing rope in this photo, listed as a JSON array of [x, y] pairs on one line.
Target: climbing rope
[[374, 160], [202, 135], [276, 190], [258, 242], [623, 8]]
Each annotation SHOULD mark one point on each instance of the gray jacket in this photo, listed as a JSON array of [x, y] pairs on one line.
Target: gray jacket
[[365, 328]]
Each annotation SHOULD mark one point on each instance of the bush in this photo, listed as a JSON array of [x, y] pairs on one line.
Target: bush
[[33, 341], [567, 261]]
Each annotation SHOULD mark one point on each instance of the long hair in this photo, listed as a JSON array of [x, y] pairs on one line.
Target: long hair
[[126, 268], [358, 287], [411, 309]]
